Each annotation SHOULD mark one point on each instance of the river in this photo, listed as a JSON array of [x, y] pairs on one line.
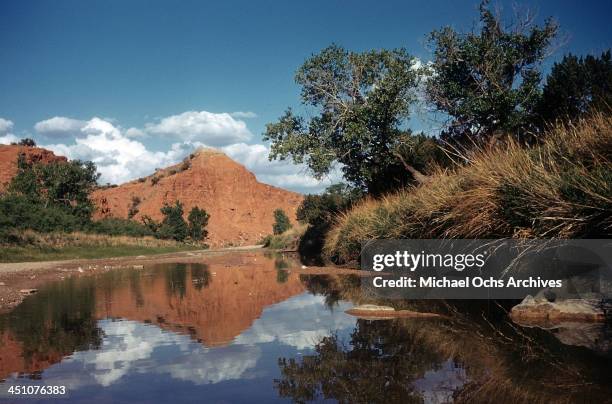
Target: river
[[248, 327]]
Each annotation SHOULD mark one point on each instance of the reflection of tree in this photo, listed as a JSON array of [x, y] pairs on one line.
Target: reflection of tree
[[382, 362], [57, 321], [200, 275], [136, 288], [322, 285], [281, 276], [176, 280]]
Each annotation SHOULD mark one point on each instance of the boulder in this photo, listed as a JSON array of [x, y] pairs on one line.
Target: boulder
[[540, 310]]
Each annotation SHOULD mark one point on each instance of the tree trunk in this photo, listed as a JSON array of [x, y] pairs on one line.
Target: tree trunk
[[416, 174]]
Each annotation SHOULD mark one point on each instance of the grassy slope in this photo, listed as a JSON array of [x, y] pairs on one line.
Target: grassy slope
[[562, 188]]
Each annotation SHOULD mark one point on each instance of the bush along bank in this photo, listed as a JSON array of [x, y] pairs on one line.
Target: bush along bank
[[561, 188]]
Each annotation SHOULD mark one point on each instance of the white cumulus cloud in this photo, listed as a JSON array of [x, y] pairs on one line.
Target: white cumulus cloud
[[59, 125], [8, 139], [283, 173], [5, 127], [202, 126], [117, 157], [135, 133]]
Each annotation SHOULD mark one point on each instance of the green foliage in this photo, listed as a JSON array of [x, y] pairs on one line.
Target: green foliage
[[281, 222], [198, 220], [26, 182], [119, 227], [21, 212], [576, 87], [488, 81], [150, 223], [173, 226], [320, 209], [63, 185], [27, 142], [363, 102], [155, 180]]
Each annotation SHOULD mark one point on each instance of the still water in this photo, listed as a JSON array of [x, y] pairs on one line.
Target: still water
[[247, 327]]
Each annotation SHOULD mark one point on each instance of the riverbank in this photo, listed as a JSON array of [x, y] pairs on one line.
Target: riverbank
[[560, 188]]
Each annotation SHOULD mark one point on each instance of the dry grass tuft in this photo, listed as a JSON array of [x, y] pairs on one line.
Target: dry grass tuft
[[77, 239]]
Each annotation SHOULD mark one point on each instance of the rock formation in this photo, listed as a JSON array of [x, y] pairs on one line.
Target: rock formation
[[241, 208]]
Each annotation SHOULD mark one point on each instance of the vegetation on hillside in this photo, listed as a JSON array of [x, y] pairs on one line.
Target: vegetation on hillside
[[559, 189]]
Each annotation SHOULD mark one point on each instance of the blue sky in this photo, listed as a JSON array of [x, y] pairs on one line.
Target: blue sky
[[144, 64]]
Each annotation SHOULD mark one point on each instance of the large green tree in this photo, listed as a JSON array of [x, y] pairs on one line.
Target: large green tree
[[488, 81], [361, 104], [577, 86]]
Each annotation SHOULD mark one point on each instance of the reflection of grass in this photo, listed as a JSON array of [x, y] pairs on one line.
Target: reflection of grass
[[35, 253]]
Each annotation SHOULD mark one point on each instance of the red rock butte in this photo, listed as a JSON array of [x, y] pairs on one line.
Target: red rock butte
[[241, 208]]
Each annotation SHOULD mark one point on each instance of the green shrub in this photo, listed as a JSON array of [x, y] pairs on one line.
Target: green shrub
[[119, 227], [173, 226], [198, 220], [281, 222]]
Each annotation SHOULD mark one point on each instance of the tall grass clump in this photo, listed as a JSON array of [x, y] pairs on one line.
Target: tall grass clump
[[561, 188]]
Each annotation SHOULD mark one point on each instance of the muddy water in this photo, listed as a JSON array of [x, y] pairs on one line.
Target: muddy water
[[247, 327]]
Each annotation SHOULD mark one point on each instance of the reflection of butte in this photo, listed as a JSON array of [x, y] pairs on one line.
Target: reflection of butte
[[215, 314], [237, 294]]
